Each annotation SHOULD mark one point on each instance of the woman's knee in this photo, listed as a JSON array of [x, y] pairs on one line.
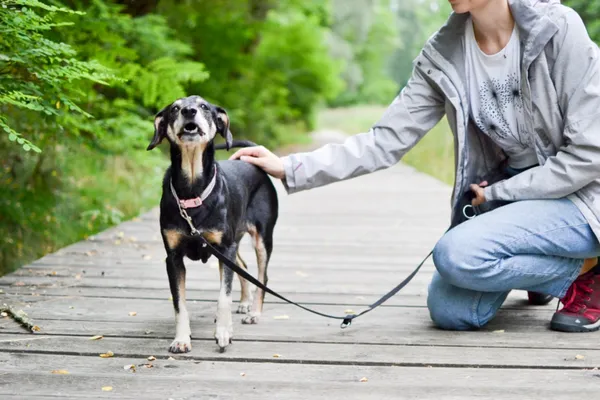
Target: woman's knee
[[450, 307], [465, 259]]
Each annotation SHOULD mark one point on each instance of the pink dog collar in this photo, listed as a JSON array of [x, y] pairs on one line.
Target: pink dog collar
[[196, 201]]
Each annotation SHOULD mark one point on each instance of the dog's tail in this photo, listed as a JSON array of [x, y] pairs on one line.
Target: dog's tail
[[235, 144]]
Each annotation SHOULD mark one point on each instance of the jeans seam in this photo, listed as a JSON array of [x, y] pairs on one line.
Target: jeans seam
[[475, 308]]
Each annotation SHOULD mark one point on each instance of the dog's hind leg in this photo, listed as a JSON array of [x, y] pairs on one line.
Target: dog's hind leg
[[246, 299], [224, 327], [176, 273], [263, 246]]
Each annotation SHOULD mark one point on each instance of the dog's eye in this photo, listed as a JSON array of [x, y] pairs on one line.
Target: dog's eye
[[175, 109], [203, 106]]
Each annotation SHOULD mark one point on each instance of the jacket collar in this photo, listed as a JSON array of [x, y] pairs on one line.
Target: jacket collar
[[535, 29]]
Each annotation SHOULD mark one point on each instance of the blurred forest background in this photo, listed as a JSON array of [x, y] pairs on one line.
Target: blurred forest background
[[80, 82]]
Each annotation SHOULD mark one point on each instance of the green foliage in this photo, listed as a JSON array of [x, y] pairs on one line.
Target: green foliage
[[268, 68], [377, 42], [38, 75]]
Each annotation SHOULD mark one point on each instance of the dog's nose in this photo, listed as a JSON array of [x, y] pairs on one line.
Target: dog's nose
[[188, 112]]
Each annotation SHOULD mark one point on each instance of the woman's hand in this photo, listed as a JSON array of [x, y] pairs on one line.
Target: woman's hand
[[263, 158], [479, 194]]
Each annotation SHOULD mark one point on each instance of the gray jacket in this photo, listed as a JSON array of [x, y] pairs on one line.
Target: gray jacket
[[561, 94]]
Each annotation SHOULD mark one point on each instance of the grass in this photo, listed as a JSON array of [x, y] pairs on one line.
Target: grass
[[72, 194], [433, 155]]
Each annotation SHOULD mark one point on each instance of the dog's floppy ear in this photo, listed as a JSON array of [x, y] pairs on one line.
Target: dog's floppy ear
[[160, 129], [223, 126]]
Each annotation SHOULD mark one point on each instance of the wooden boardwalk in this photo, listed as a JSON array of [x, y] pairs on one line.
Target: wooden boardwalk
[[336, 248]]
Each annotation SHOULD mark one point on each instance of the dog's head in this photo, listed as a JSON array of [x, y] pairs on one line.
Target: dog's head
[[191, 121]]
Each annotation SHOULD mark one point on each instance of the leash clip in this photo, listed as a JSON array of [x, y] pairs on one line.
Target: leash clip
[[347, 321]]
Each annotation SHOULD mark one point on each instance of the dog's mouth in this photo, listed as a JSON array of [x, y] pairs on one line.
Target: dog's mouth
[[191, 128]]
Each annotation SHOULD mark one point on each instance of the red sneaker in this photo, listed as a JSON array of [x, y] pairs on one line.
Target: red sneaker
[[581, 311]]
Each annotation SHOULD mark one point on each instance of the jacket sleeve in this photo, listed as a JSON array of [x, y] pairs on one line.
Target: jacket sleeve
[[415, 111], [576, 75]]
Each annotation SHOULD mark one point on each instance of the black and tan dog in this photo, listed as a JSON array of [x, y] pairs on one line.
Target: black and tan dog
[[224, 199]]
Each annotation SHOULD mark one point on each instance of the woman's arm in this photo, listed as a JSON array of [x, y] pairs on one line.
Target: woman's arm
[[576, 75], [415, 111]]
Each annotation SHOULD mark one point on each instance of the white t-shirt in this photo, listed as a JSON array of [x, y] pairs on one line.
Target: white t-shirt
[[494, 85]]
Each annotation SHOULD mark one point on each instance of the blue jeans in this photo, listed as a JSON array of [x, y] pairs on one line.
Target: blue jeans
[[536, 245]]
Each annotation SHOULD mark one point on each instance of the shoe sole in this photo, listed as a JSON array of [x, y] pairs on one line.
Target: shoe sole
[[567, 324]]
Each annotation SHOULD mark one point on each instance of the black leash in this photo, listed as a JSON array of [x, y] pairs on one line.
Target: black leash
[[346, 320]]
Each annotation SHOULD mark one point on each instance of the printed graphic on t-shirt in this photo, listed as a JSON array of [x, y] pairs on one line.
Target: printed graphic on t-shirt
[[497, 98]]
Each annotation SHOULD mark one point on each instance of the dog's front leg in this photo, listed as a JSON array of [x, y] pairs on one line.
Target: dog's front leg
[[224, 327], [176, 272]]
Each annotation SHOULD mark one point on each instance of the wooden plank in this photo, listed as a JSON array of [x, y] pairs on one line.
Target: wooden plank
[[310, 353], [412, 296], [388, 326], [189, 379], [109, 309]]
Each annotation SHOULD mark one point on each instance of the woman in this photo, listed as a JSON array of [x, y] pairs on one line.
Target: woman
[[519, 82]]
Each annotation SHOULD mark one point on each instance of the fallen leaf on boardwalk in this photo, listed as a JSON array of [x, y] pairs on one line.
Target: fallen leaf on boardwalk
[[276, 355], [364, 379], [302, 274], [53, 273], [147, 332], [349, 311], [281, 317], [60, 372], [108, 354], [499, 331], [132, 314], [117, 242], [78, 276], [107, 388], [242, 374], [171, 359], [36, 328], [151, 358], [129, 367], [579, 357], [1, 291], [3, 314], [147, 257], [98, 337], [148, 365], [121, 234], [71, 307]]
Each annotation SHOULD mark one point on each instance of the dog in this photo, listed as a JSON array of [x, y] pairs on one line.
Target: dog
[[224, 199]]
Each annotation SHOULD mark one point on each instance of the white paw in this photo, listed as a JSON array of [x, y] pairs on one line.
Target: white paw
[[224, 330], [181, 345], [252, 318], [244, 307]]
